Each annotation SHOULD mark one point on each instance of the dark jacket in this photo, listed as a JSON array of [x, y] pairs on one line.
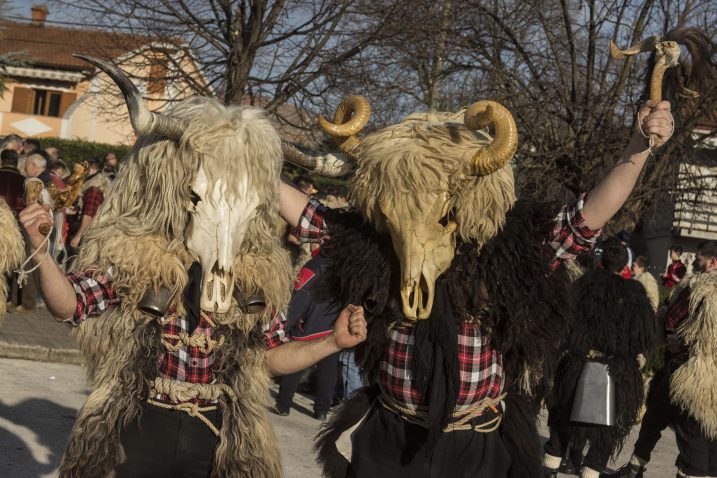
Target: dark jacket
[[12, 188], [307, 317]]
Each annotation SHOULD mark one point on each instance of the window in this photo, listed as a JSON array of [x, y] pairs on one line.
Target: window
[[41, 102]]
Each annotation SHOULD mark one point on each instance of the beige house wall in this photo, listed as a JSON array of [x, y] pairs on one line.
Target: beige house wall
[[98, 114]]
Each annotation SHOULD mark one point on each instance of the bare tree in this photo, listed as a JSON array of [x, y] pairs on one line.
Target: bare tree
[[260, 52]]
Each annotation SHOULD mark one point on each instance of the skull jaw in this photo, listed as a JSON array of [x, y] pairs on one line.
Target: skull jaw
[[217, 290], [417, 300]]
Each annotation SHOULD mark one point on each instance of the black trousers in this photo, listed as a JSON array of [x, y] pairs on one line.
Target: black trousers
[[385, 445], [698, 454], [164, 443], [326, 375], [659, 414]]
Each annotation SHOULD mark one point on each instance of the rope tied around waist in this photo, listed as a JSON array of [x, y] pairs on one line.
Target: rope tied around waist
[[198, 339], [191, 409], [462, 417], [181, 394]]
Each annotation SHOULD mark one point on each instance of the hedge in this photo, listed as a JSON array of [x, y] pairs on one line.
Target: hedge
[[74, 150]]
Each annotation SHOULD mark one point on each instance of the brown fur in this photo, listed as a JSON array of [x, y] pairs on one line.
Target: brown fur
[[12, 250], [693, 386], [424, 155], [138, 237]]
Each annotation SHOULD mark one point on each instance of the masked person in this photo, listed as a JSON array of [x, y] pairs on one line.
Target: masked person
[[160, 297], [613, 325], [462, 286]]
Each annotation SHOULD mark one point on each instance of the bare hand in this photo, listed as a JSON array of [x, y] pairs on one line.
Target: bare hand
[[31, 217], [655, 118], [350, 328], [75, 241]]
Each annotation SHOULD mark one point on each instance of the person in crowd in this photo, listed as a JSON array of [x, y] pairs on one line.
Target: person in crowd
[[682, 393], [614, 325], [53, 153], [644, 277], [13, 142], [92, 195], [12, 181], [624, 238], [36, 167], [110, 165], [59, 169], [310, 318], [676, 270], [29, 146]]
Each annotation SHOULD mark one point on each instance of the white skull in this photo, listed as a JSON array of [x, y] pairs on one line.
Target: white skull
[[218, 224]]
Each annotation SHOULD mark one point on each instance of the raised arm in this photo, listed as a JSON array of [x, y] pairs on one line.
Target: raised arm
[[290, 357], [292, 203], [611, 193], [56, 290]]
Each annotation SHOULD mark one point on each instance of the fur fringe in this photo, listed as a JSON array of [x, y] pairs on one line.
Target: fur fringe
[[333, 463], [693, 386], [12, 250]]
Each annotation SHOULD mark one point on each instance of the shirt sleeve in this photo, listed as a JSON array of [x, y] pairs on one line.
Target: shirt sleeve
[[91, 201], [276, 335], [94, 296], [312, 226], [570, 236]]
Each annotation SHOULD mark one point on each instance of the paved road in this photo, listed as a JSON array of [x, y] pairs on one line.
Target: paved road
[[38, 402]]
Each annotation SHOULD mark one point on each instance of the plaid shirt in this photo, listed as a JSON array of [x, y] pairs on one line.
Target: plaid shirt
[[481, 366], [191, 364], [91, 201]]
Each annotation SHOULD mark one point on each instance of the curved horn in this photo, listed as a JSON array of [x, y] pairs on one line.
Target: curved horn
[[344, 129], [144, 122], [648, 44], [329, 165], [491, 158]]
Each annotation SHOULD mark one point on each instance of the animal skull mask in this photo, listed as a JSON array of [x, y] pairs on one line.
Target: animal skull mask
[[216, 231], [424, 180]]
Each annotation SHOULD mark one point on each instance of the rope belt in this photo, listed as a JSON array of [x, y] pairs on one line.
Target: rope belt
[[181, 393], [462, 417], [192, 409], [206, 344]]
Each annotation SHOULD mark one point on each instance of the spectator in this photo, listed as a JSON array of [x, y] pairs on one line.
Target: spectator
[[59, 169], [310, 319], [30, 145], [11, 181], [53, 153], [92, 195], [676, 270], [110, 168], [640, 274], [624, 238], [13, 142], [36, 166]]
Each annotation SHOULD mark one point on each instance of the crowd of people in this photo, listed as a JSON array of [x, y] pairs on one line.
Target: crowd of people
[[21, 159]]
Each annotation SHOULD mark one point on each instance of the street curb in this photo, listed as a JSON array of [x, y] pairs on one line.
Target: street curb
[[40, 353]]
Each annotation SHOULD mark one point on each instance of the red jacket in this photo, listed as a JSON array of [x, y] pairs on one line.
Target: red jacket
[[675, 272]]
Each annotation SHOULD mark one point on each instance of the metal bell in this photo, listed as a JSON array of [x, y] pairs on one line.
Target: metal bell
[[594, 401], [251, 304], [156, 303]]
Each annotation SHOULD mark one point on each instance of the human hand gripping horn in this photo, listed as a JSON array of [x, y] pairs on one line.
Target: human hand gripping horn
[[667, 55]]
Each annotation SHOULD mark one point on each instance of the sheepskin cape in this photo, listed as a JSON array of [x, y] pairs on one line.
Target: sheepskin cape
[[12, 250], [528, 316], [693, 386], [614, 318], [122, 349]]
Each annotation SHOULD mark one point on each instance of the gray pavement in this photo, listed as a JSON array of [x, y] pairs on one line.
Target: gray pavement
[[40, 397]]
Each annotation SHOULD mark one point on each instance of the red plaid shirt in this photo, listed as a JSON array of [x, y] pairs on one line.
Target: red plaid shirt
[[191, 364], [91, 201], [481, 366]]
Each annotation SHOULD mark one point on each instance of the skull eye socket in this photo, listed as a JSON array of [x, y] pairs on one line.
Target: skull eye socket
[[194, 197]]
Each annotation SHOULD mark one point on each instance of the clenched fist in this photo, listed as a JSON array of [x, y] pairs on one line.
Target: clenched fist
[[350, 327], [655, 118]]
